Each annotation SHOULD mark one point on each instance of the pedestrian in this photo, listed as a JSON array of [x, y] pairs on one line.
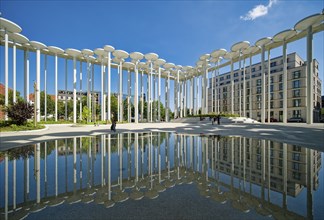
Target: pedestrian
[[113, 126], [218, 119]]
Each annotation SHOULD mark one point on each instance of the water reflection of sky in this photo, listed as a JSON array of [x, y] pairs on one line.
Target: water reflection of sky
[[102, 169]]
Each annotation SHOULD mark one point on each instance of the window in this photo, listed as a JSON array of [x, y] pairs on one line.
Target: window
[[221, 79], [296, 102], [258, 82], [271, 104], [280, 78], [258, 98], [296, 113], [280, 95], [296, 93], [253, 69], [228, 76], [235, 74], [296, 175], [258, 90], [296, 74], [296, 84], [271, 96], [271, 79], [280, 86], [296, 156], [272, 64], [296, 166], [271, 88]]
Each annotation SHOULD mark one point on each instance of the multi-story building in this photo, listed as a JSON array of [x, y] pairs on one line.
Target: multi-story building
[[62, 96], [296, 89]]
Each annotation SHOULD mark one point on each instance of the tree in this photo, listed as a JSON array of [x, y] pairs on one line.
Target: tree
[[10, 97], [86, 113], [20, 112], [114, 106], [50, 104]]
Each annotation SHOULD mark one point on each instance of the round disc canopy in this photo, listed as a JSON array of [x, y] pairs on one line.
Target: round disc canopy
[[128, 65], [109, 48], [251, 50], [168, 65], [55, 50], [100, 52], [214, 59], [151, 56], [142, 65], [136, 56], [178, 67], [117, 60], [263, 41], [284, 35], [87, 52], [309, 21], [18, 38], [9, 26], [218, 53], [200, 63], [37, 45], [204, 57], [159, 62], [240, 46], [230, 55], [73, 52], [121, 54]]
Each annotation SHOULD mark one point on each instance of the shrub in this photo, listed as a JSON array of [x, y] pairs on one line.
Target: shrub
[[19, 112]]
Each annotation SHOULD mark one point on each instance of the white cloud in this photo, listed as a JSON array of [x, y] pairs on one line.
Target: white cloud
[[258, 11]]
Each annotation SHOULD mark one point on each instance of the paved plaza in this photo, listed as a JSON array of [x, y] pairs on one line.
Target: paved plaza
[[293, 133]]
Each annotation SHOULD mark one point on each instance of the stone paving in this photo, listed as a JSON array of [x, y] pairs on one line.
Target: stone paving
[[293, 133]]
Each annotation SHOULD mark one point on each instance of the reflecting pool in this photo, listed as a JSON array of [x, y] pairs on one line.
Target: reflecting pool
[[161, 175]]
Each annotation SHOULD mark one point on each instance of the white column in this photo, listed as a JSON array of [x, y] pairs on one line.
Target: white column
[[213, 91], [239, 86], [181, 98], [269, 83], [37, 85], [128, 96], [74, 90], [45, 88], [55, 87], [159, 95], [185, 99], [244, 90], [121, 91], [232, 88], [167, 99], [178, 93], [250, 86], [14, 72], [109, 88], [102, 92], [66, 98], [136, 93], [285, 87], [80, 116], [263, 86], [310, 103], [37, 171], [217, 88], [142, 97], [88, 88], [6, 75], [26, 78], [206, 91]]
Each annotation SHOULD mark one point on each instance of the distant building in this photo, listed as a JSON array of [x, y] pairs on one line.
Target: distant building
[[296, 86]]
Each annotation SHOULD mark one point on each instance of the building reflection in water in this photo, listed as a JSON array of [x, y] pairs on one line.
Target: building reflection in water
[[106, 169]]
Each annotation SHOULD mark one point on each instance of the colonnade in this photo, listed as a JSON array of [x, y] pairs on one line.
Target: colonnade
[[191, 84]]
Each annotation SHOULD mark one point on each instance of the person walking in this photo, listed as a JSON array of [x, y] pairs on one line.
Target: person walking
[[113, 126], [218, 119]]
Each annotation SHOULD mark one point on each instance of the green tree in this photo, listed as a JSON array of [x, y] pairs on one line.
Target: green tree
[[86, 113], [50, 104], [10, 97]]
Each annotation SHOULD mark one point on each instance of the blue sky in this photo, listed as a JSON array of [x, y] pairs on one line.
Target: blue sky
[[178, 31]]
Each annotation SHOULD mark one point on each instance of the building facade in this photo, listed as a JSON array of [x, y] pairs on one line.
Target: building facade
[[296, 90]]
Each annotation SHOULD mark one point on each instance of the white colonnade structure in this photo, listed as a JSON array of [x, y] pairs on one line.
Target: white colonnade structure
[[153, 76]]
